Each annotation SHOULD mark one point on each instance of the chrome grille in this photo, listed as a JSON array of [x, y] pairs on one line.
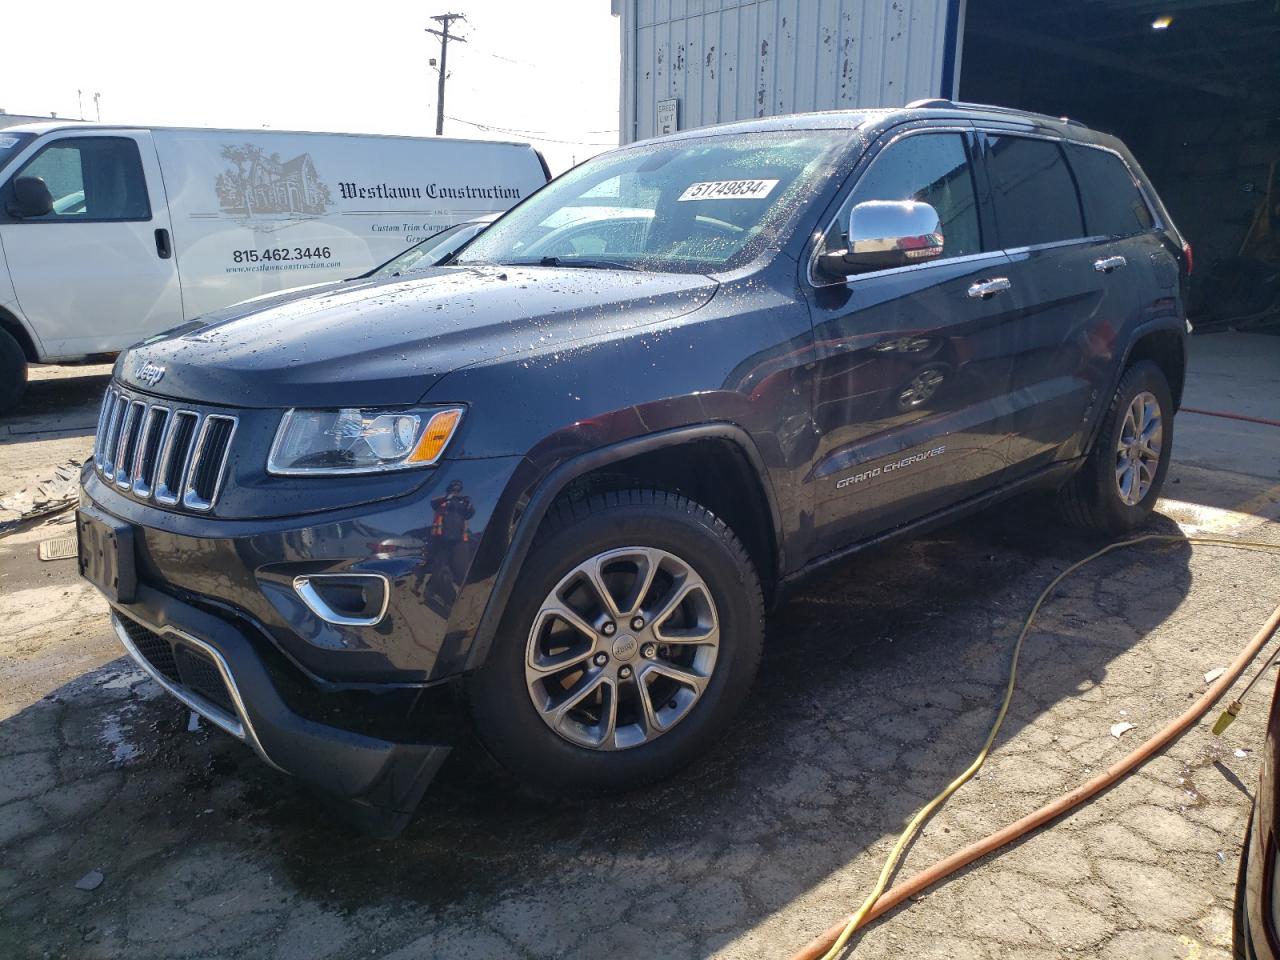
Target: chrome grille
[[157, 452]]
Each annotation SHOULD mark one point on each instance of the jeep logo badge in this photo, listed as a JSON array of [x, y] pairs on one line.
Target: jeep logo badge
[[624, 648], [149, 374]]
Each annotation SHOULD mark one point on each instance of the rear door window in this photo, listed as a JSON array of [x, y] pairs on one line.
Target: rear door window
[[930, 168], [1034, 193], [1113, 203]]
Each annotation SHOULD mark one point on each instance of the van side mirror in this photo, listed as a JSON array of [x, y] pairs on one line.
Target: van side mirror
[[881, 234], [31, 198]]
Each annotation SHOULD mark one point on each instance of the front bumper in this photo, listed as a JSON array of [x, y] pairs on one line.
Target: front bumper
[[435, 586], [218, 615], [211, 667]]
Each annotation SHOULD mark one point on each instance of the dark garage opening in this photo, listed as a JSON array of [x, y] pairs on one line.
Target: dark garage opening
[[1193, 87]]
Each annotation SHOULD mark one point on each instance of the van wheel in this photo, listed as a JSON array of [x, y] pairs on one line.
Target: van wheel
[[630, 641], [1117, 488], [13, 372]]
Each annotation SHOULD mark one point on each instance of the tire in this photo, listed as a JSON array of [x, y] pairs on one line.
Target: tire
[[1241, 948], [633, 530], [1094, 497], [13, 372]]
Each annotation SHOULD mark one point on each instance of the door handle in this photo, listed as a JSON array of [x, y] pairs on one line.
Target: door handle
[[164, 248], [1107, 264], [986, 289]]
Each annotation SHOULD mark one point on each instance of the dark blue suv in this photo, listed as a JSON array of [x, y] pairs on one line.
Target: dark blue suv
[[552, 488]]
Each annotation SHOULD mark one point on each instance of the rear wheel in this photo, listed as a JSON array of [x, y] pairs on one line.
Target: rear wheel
[[631, 639], [13, 372], [1117, 488]]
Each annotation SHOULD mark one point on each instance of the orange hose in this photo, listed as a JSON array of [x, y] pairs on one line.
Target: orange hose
[[1231, 416], [926, 878]]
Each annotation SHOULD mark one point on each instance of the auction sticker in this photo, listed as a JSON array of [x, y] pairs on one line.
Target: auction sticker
[[728, 190]]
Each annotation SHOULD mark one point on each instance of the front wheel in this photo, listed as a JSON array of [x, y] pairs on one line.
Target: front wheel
[[631, 638], [1117, 487], [13, 372]]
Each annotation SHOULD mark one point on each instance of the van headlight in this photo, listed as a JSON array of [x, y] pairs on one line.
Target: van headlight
[[361, 439]]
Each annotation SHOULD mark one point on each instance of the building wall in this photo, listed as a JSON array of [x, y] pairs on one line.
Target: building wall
[[736, 59]]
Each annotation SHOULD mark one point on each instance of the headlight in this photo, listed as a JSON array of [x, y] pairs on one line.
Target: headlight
[[361, 439]]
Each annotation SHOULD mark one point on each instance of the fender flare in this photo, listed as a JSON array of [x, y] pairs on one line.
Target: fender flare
[[27, 339], [1165, 324], [555, 482]]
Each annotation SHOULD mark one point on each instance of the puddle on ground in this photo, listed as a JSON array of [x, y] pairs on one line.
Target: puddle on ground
[[116, 733]]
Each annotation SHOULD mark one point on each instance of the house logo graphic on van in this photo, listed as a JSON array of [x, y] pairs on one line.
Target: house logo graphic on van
[[149, 374], [260, 183]]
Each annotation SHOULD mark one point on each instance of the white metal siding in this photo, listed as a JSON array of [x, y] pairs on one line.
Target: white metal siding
[[736, 59]]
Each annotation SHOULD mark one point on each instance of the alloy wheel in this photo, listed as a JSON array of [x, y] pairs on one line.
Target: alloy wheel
[[622, 648], [1138, 448]]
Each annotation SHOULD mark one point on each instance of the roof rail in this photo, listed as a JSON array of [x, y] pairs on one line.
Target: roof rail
[[938, 103]]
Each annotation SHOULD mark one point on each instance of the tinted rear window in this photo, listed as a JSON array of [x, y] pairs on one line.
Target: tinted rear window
[[1113, 204], [1035, 196]]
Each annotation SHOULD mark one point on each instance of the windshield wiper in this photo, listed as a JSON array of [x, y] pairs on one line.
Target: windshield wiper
[[584, 263]]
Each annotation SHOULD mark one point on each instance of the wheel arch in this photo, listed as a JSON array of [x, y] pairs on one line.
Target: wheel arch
[[711, 453], [1161, 341], [1165, 346], [16, 329]]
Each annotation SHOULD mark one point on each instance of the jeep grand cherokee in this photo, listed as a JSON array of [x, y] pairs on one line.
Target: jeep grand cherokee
[[551, 489]]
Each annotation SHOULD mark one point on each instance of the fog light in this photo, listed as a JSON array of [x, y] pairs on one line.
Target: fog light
[[345, 599]]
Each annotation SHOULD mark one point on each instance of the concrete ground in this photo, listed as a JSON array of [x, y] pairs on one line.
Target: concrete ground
[[879, 683]]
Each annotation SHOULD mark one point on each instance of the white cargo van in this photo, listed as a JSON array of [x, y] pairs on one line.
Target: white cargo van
[[110, 234]]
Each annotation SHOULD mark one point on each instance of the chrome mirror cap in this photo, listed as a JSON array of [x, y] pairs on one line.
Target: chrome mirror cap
[[882, 234]]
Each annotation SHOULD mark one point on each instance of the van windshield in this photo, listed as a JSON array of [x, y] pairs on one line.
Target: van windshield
[[689, 206], [11, 145], [431, 251]]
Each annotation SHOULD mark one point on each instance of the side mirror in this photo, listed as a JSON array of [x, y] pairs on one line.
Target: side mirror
[[881, 234], [31, 198]]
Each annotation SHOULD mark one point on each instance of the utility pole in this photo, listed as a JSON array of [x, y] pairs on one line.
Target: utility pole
[[445, 19], [97, 106]]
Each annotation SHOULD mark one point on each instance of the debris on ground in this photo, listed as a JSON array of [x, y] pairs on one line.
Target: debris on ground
[[1214, 674], [57, 548], [1241, 754], [1118, 730], [90, 881], [193, 722], [55, 495]]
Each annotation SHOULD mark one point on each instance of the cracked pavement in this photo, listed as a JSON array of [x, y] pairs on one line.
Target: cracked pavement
[[879, 682]]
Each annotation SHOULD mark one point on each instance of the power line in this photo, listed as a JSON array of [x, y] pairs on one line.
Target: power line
[[510, 60], [532, 135], [535, 132]]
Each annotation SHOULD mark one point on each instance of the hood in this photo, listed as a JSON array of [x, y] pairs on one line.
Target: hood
[[275, 297], [373, 342]]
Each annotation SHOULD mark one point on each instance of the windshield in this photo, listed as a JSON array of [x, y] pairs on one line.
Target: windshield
[[690, 206], [11, 144], [430, 252]]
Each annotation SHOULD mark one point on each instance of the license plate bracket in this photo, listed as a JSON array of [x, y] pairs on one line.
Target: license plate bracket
[[106, 556]]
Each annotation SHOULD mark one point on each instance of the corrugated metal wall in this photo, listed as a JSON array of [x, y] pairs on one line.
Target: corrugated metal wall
[[735, 59]]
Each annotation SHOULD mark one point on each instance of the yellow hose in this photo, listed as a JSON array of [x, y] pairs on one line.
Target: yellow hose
[[912, 828]]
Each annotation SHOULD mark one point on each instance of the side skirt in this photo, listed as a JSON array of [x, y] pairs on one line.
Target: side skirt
[[1050, 477]]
